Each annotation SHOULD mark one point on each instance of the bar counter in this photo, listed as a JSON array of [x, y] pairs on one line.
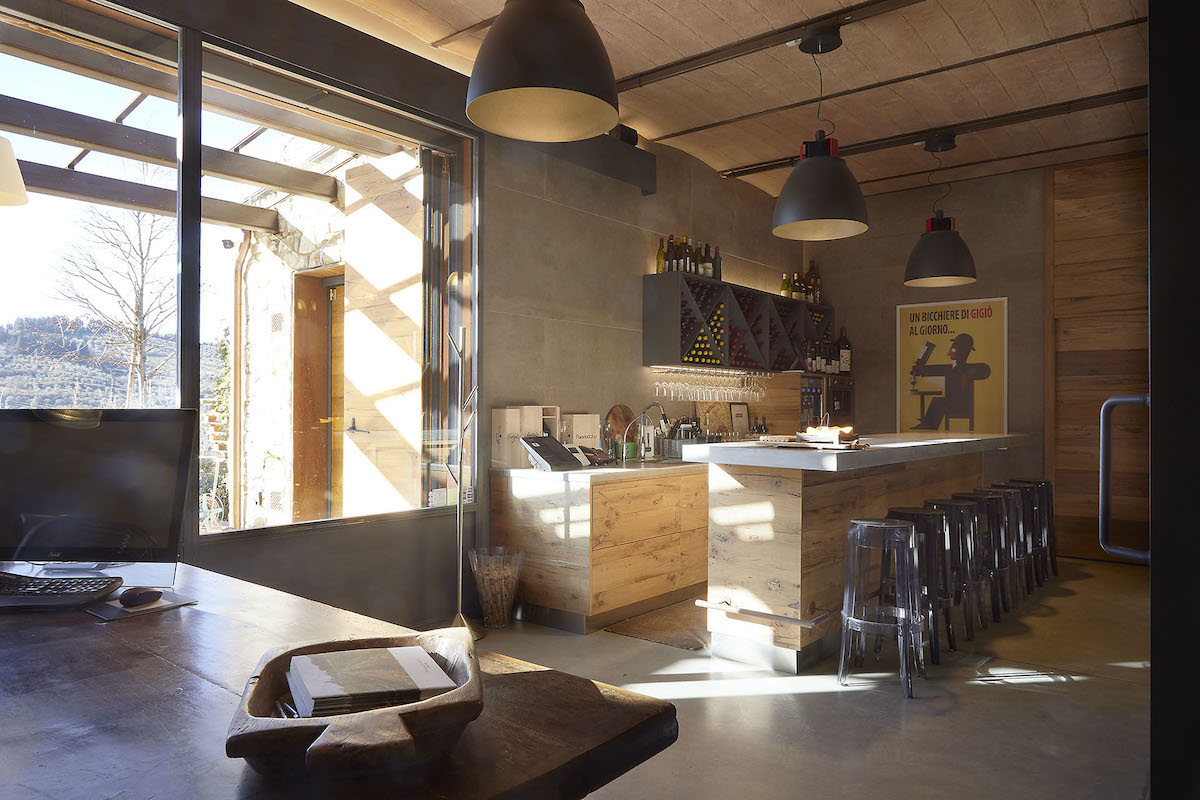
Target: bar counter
[[778, 518]]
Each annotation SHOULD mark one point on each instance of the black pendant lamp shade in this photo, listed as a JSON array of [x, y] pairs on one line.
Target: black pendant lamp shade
[[543, 75], [820, 199], [940, 258]]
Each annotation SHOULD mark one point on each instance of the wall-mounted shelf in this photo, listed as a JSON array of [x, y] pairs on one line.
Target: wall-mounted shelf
[[690, 321]]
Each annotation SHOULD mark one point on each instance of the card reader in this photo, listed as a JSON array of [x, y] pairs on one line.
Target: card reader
[[548, 455]]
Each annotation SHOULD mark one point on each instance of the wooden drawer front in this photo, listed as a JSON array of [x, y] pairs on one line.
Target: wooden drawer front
[[693, 501], [627, 573], [629, 511], [693, 556]]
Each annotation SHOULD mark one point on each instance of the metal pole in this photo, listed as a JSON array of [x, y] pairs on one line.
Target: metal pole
[[460, 621]]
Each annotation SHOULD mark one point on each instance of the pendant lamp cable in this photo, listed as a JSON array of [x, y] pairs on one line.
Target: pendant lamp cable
[[947, 185], [821, 96]]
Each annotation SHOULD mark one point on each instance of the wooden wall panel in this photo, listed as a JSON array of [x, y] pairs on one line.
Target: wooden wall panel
[[1097, 346]]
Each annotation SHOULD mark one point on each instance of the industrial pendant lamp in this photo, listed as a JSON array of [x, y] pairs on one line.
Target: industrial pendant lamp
[[821, 199], [940, 257], [543, 75], [12, 186]]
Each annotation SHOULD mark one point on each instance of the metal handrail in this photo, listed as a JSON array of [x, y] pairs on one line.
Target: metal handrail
[[1106, 411]]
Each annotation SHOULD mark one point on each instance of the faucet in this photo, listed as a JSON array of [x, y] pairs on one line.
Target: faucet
[[641, 416]]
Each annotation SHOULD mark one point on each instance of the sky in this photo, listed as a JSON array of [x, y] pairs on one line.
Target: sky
[[37, 235]]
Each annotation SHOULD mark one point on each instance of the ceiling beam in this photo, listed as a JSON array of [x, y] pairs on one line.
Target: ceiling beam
[[940, 171], [94, 63], [971, 126], [905, 78], [75, 185], [67, 127], [454, 37], [763, 41]]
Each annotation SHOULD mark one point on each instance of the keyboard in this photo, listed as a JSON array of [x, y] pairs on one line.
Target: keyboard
[[24, 591]]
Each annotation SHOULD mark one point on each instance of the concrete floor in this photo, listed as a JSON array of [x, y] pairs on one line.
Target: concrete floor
[[1051, 703]]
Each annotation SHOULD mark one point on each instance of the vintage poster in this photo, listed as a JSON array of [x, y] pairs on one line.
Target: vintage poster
[[952, 366]]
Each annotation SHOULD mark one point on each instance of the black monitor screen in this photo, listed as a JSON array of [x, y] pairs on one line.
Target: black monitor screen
[[93, 485]]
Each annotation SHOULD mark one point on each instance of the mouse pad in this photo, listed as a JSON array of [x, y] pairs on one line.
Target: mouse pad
[[111, 608]]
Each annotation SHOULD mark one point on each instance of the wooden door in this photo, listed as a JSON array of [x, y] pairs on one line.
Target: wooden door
[[1097, 346]]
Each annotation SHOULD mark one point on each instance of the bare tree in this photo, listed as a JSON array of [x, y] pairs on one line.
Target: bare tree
[[122, 276]]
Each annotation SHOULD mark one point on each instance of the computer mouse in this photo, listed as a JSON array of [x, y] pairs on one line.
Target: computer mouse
[[138, 596]]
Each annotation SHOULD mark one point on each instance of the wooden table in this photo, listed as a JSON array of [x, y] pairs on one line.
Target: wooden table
[[139, 708]]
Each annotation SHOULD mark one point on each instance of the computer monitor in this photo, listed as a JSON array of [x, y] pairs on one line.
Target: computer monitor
[[101, 486]]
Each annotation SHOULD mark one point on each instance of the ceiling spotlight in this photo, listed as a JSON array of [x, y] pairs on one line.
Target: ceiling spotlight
[[543, 75]]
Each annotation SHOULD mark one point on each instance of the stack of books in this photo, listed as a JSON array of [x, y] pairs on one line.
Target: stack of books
[[347, 681]]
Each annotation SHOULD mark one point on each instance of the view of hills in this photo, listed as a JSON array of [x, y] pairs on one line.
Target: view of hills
[[56, 362]]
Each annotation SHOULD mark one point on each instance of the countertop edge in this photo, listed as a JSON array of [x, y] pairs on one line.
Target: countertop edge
[[846, 460], [605, 474]]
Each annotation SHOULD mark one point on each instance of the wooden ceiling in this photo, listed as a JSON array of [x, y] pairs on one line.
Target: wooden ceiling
[[1104, 51]]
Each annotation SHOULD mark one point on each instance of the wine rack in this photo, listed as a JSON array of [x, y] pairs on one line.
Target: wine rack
[[691, 321]]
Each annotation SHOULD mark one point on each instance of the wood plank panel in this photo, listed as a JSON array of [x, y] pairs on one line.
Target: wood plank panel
[[693, 501], [777, 537], [627, 511], [628, 573], [1097, 347]]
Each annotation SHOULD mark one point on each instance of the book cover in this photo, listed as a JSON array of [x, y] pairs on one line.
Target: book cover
[[355, 680]]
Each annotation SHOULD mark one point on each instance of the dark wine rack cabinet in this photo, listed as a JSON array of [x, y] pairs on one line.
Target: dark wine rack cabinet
[[690, 321]]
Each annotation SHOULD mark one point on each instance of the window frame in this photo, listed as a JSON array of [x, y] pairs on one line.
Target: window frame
[[201, 27]]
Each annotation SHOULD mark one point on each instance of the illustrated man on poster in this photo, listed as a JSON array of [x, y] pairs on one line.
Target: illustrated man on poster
[[958, 399]]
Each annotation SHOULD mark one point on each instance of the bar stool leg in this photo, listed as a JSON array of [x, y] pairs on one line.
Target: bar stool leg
[[933, 598], [915, 617], [849, 599], [884, 585], [1051, 537], [863, 565], [905, 618]]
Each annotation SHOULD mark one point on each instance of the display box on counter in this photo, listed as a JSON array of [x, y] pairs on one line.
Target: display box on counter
[[513, 422], [581, 429]]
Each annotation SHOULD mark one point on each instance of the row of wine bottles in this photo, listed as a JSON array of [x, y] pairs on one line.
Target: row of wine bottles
[[803, 287], [687, 255], [831, 358]]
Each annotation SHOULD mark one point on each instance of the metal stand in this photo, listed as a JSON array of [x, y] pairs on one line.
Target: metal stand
[[459, 620]]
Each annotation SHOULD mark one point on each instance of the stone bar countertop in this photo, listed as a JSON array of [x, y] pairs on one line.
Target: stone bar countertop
[[884, 449], [593, 475]]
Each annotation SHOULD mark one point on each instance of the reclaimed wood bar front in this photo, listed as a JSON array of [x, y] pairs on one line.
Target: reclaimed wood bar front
[[778, 519], [603, 545]]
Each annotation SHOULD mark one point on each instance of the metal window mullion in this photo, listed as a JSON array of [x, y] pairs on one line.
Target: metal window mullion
[[187, 216]]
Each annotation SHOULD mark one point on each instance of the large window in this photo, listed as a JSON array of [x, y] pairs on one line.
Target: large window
[[331, 262]]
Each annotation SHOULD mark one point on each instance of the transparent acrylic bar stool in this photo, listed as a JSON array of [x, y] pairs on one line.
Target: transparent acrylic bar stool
[[1044, 521], [969, 573], [896, 540], [933, 539], [1016, 540], [1031, 534], [996, 557]]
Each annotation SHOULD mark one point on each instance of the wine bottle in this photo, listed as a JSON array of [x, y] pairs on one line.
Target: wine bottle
[[810, 357], [707, 261], [844, 352], [717, 263], [816, 281], [808, 281], [820, 359], [671, 253], [785, 288], [660, 258], [796, 286], [689, 255], [754, 427]]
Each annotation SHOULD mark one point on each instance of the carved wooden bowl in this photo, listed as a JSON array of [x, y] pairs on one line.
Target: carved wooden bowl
[[382, 739]]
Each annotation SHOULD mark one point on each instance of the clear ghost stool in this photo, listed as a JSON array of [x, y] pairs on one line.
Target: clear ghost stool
[[970, 575], [937, 594], [991, 517], [1016, 539], [1045, 519], [891, 539]]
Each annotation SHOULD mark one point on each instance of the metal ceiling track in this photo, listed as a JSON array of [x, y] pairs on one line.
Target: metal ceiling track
[[483, 24], [905, 78], [764, 41], [971, 126], [980, 162]]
